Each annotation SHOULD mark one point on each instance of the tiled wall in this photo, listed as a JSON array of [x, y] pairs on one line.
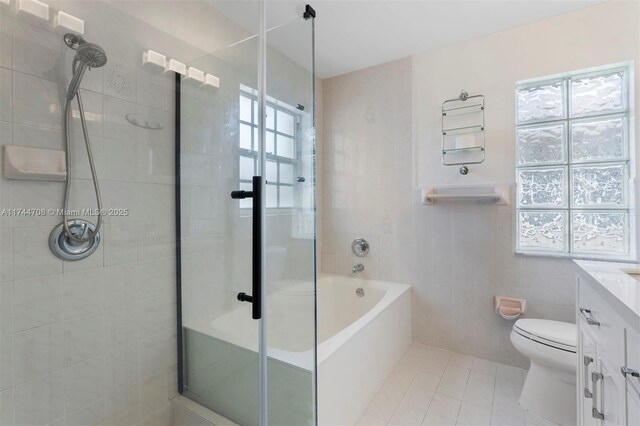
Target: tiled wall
[[456, 255], [93, 341]]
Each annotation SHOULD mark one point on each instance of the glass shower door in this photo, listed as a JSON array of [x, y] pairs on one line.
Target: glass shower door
[[219, 154], [249, 361], [290, 208]]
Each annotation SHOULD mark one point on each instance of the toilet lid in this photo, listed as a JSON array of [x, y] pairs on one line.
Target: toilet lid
[[558, 334]]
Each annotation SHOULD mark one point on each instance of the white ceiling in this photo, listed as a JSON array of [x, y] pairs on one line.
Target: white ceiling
[[355, 34]]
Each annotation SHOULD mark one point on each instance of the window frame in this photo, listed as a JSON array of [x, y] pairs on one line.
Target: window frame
[[278, 159], [569, 164]]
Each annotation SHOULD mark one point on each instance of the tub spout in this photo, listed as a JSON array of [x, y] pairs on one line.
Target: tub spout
[[358, 268]]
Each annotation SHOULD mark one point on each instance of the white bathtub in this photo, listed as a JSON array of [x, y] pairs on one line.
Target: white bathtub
[[360, 339]]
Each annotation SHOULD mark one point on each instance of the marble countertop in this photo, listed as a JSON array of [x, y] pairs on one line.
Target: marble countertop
[[620, 289]]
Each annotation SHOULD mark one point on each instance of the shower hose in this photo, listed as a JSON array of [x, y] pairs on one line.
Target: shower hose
[[94, 176]]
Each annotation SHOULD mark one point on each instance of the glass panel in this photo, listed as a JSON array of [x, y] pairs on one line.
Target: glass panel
[[286, 147], [246, 203], [286, 173], [602, 139], [286, 196], [270, 142], [245, 136], [247, 167], [256, 140], [542, 144], [271, 115], [285, 123], [245, 109], [272, 172], [272, 195], [542, 187], [599, 186], [599, 232], [290, 275], [598, 94], [254, 103], [221, 369], [542, 230], [539, 103]]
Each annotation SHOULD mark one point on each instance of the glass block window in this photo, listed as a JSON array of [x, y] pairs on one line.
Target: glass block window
[[282, 146], [572, 165]]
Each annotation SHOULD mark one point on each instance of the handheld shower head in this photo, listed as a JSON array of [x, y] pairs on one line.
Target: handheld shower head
[[91, 55], [88, 55]]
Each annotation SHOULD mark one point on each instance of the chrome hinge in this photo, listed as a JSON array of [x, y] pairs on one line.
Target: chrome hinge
[[594, 410], [629, 371], [597, 414]]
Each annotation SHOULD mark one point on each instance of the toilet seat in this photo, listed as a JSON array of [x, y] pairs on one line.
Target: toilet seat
[[556, 334]]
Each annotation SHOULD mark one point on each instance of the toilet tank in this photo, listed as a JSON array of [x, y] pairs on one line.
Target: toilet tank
[[275, 258]]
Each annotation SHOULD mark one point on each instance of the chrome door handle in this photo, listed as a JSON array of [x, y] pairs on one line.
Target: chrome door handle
[[594, 409], [629, 371], [587, 360], [586, 313]]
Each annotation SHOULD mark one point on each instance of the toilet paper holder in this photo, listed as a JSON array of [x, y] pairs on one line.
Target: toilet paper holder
[[510, 308]]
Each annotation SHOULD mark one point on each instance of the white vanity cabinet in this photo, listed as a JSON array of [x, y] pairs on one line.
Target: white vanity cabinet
[[608, 352]]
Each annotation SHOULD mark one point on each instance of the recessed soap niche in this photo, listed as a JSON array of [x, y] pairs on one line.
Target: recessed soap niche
[[29, 163]]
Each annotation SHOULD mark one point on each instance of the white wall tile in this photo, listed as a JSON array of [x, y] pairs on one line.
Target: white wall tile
[[83, 383], [6, 36], [123, 406], [37, 301], [6, 94], [92, 105], [37, 137], [37, 195], [6, 362], [155, 394], [38, 402], [157, 353], [6, 254], [116, 126], [118, 284], [6, 308], [36, 101], [38, 352], [32, 258], [79, 160], [36, 51], [119, 160], [91, 415], [83, 338], [82, 292], [7, 408], [120, 79]]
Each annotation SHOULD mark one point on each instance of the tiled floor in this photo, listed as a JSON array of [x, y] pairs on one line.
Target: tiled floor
[[432, 386]]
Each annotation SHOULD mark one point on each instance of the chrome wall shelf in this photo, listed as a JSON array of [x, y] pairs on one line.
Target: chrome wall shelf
[[463, 131]]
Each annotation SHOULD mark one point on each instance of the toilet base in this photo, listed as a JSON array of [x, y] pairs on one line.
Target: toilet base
[[550, 394]]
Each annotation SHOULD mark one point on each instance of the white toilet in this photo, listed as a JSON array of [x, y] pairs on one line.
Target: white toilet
[[549, 390]]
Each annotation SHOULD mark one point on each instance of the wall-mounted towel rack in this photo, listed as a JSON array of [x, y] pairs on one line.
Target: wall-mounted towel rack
[[463, 138], [497, 193]]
